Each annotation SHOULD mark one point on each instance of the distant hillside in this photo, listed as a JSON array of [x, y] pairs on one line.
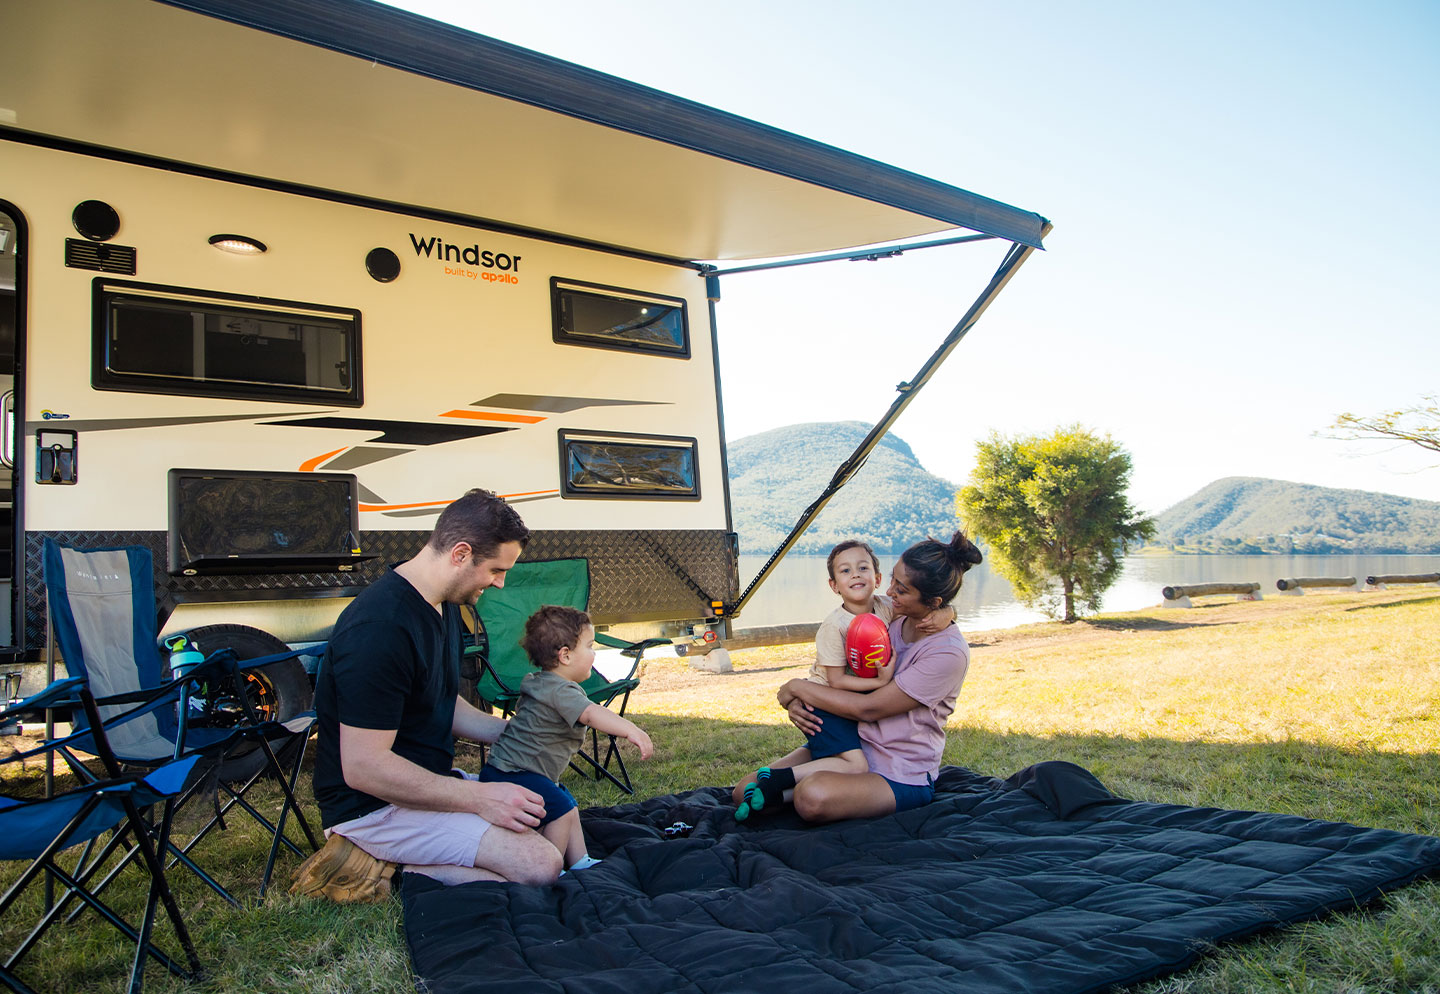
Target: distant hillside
[[891, 503], [1242, 514]]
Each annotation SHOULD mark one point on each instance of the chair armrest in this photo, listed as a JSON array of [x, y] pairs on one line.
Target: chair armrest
[[62, 693], [634, 649]]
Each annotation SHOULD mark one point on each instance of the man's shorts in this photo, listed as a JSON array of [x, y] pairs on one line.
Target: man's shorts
[[836, 735], [911, 795], [417, 838], [557, 799]]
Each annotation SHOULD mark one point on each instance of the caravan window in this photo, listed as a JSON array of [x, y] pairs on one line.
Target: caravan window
[[628, 465], [154, 339], [611, 318]]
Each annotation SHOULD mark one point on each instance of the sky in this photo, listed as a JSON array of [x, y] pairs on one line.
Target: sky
[[1245, 195]]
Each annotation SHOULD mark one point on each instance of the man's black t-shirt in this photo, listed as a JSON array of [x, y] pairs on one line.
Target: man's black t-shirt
[[393, 663]]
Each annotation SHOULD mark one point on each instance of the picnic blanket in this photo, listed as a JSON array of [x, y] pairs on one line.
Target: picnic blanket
[[1044, 882]]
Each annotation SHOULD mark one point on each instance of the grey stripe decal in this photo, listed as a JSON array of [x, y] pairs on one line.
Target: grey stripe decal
[[361, 455], [120, 424], [554, 405]]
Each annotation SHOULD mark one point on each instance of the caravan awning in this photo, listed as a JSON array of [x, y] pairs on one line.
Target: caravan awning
[[376, 104]]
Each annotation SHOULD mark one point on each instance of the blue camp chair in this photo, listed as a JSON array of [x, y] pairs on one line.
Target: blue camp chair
[[44, 829], [102, 611], [499, 663]]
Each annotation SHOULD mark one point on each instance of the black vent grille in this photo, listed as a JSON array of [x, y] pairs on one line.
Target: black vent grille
[[99, 256]]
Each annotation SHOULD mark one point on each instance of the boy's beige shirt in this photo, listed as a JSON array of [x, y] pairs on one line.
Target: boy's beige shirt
[[830, 639]]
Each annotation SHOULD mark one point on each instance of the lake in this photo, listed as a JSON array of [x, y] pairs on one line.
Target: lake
[[797, 591]]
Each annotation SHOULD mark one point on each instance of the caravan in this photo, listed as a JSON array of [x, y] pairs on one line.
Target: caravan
[[279, 281]]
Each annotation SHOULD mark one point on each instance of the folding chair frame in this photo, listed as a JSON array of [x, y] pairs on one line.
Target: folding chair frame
[[149, 841], [599, 689], [220, 664]]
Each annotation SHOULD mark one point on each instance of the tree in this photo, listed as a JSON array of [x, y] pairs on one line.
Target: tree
[[1053, 508], [1419, 424]]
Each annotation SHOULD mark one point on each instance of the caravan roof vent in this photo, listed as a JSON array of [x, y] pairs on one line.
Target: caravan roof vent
[[100, 257]]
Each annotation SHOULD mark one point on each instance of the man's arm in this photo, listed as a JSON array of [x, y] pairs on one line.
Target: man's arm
[[602, 719], [369, 764], [882, 703], [476, 725]]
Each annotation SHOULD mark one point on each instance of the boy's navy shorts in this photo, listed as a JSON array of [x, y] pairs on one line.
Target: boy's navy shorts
[[557, 799], [836, 735]]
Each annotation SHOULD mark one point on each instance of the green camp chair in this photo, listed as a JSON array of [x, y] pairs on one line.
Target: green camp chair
[[497, 663]]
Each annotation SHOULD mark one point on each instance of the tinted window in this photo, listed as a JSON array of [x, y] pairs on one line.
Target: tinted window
[[154, 340], [610, 318], [637, 466]]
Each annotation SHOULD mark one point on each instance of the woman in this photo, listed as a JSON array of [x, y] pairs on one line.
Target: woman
[[902, 724]]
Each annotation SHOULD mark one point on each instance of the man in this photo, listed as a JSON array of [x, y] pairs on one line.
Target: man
[[389, 709]]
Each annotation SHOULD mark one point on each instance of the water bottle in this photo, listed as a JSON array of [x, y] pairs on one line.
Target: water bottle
[[184, 656]]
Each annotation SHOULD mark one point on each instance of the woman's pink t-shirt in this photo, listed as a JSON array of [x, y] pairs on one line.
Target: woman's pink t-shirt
[[906, 747]]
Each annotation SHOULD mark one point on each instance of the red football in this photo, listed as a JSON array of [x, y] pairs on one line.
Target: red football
[[867, 645]]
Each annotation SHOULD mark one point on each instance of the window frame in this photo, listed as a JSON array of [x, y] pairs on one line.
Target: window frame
[[636, 440], [560, 284], [102, 377]]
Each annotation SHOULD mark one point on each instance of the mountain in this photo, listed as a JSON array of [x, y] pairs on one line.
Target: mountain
[[892, 502], [1243, 514]]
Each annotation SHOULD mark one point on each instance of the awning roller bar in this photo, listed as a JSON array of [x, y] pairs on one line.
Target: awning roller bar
[[867, 255], [1012, 262]]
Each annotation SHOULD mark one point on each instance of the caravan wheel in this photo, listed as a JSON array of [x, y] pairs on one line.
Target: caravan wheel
[[278, 692]]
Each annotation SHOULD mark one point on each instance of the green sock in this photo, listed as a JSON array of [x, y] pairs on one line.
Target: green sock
[[770, 787], [743, 809]]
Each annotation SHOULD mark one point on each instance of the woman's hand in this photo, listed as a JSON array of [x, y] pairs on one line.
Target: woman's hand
[[803, 718], [936, 621], [788, 692]]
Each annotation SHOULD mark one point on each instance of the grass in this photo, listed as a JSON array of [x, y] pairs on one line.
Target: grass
[[1326, 706]]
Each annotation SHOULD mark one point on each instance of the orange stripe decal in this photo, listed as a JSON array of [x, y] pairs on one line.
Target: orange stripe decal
[[524, 419], [308, 466], [446, 503]]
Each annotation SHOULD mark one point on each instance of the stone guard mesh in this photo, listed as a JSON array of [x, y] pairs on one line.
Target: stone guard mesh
[[634, 575]]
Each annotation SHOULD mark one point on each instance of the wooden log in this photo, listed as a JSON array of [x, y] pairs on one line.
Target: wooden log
[[1295, 583], [1402, 578], [753, 638], [1202, 589]]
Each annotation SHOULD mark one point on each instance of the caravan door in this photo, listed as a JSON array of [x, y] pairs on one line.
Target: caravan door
[[12, 231]]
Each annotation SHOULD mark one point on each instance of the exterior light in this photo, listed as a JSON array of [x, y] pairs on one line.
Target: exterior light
[[238, 244]]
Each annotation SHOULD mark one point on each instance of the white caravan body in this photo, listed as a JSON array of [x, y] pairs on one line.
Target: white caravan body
[[470, 265]]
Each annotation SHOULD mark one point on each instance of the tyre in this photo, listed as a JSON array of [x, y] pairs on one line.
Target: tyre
[[277, 692]]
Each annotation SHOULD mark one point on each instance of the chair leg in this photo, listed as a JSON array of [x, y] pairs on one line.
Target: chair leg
[[75, 887], [600, 771], [290, 804], [160, 894]]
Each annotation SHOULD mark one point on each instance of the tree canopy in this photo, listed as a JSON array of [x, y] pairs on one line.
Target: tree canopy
[[1419, 424], [1055, 513]]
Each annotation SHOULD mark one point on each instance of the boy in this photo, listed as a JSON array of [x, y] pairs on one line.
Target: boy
[[854, 571], [549, 724]]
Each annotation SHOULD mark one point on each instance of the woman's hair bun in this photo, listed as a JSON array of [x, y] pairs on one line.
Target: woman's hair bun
[[963, 552]]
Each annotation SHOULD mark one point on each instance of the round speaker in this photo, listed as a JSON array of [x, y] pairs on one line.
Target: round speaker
[[382, 265], [96, 220]]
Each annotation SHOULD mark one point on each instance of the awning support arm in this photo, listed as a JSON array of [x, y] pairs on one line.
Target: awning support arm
[[1013, 260], [868, 255]]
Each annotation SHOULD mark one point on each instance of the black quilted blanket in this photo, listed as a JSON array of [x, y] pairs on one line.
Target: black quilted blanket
[[1041, 883]]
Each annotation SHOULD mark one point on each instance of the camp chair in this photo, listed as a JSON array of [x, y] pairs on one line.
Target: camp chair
[[102, 612], [43, 829], [497, 663]]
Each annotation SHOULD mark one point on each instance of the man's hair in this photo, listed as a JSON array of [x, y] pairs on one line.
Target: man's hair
[[481, 519], [551, 629], [850, 543]]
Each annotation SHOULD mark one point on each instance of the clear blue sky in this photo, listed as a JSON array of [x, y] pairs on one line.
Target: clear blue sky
[[1246, 199]]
